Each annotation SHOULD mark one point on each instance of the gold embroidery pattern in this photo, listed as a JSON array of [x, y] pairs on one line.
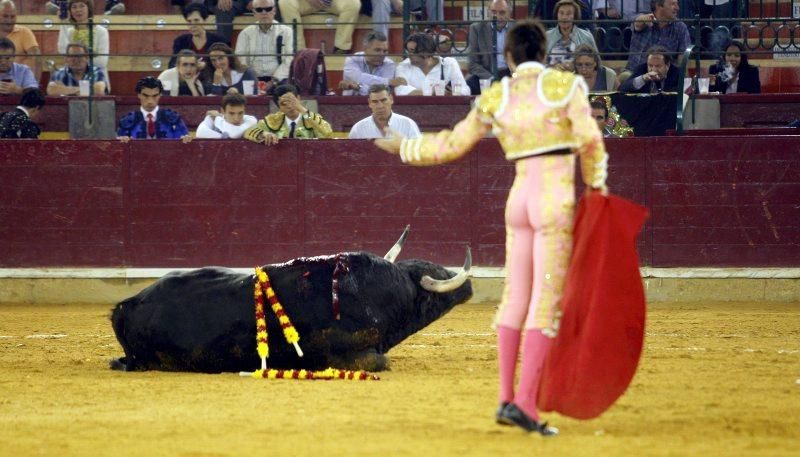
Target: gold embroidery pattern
[[557, 239], [556, 85], [274, 121], [490, 100]]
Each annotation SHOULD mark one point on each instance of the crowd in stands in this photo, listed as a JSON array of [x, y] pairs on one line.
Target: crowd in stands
[[204, 62]]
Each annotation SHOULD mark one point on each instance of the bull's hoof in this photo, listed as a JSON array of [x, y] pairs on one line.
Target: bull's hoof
[[118, 364]]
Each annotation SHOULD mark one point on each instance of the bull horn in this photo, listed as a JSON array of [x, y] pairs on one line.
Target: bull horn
[[447, 285], [395, 250]]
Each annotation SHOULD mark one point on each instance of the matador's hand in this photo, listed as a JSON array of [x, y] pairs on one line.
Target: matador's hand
[[392, 142]]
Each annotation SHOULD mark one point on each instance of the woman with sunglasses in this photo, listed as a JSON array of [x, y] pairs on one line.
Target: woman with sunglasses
[[541, 117], [198, 39]]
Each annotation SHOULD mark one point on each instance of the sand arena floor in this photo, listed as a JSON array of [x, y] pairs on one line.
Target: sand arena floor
[[714, 380]]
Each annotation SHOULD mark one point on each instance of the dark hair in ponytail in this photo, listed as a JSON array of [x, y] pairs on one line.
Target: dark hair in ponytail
[[526, 41]]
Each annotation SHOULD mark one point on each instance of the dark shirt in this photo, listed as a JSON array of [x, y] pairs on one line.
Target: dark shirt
[[185, 42], [668, 84], [17, 124], [749, 80], [183, 89]]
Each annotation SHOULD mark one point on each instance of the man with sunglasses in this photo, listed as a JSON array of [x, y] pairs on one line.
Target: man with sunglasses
[[267, 46]]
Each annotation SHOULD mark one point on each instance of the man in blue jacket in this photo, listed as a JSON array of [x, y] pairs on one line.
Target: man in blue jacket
[[150, 121]]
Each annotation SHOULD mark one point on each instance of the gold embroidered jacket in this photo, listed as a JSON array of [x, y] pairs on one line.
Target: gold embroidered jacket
[[535, 111], [312, 126]]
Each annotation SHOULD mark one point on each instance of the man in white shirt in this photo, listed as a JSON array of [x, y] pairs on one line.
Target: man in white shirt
[[423, 70], [380, 102], [231, 123], [267, 46]]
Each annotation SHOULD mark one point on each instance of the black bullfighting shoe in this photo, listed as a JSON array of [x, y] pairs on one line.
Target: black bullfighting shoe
[[499, 417], [516, 416]]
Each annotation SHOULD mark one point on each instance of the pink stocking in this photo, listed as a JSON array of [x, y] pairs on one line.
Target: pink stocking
[[534, 351], [507, 351]]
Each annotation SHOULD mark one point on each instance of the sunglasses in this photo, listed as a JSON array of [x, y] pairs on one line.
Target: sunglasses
[[265, 9]]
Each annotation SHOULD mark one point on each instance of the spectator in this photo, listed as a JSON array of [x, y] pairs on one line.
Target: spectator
[[225, 73], [65, 81], [371, 66], [267, 47], [114, 7], [293, 120], [20, 122], [631, 9], [423, 68], [587, 63], [377, 126], [14, 77], [547, 9], [734, 73], [381, 13], [655, 76], [231, 123], [225, 11], [481, 50], [434, 9], [345, 10], [600, 114], [55, 7], [28, 51], [565, 37], [198, 40], [150, 121], [184, 79], [657, 28], [80, 11]]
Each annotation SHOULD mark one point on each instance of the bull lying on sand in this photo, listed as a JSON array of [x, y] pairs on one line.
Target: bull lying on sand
[[203, 320]]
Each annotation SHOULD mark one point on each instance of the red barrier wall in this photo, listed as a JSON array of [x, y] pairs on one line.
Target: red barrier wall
[[722, 201]]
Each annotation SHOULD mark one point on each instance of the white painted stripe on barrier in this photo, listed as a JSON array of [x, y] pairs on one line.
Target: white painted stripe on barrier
[[476, 272]]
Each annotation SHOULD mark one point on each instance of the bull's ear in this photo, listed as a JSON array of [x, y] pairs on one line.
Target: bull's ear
[[391, 256], [447, 285]]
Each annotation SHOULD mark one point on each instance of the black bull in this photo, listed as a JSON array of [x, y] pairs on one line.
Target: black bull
[[204, 320]]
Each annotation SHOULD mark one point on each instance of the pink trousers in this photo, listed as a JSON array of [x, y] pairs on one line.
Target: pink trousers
[[539, 214]]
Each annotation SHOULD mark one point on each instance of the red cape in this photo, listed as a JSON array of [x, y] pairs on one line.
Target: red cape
[[594, 356]]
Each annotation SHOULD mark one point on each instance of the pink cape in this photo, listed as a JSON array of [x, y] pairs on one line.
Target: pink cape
[[594, 357]]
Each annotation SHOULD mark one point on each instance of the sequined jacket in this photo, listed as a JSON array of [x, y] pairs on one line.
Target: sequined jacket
[[312, 126], [535, 111], [17, 124]]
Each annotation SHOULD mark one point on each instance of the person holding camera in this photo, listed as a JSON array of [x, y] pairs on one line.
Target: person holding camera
[[654, 76], [14, 77]]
